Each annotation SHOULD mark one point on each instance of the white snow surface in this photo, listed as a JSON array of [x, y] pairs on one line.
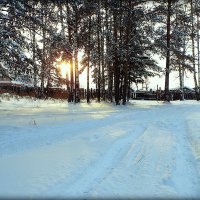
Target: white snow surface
[[146, 149]]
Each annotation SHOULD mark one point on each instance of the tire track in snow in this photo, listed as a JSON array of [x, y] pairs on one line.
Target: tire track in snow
[[185, 174], [149, 165], [178, 163], [150, 161], [97, 172], [181, 173]]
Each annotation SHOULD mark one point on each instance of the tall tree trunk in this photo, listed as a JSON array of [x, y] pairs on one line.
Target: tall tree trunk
[[34, 50], [44, 20], [88, 67], [126, 66], [116, 61], [99, 53], [180, 67], [108, 63], [167, 68], [76, 60], [193, 53], [102, 66], [69, 24], [120, 49], [34, 62]]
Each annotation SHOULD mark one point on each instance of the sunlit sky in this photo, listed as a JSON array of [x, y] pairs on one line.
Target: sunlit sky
[[173, 78]]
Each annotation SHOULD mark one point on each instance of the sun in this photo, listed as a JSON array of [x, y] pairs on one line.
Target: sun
[[64, 69]]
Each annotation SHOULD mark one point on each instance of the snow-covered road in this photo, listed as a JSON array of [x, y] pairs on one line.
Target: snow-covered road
[[145, 149]]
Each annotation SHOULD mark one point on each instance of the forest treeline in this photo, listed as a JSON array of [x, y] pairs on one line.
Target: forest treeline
[[120, 40]]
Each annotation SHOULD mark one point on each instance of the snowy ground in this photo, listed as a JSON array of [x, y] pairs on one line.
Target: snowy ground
[[146, 149]]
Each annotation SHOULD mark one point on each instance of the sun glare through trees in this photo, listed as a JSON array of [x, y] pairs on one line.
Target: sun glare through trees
[[64, 69]]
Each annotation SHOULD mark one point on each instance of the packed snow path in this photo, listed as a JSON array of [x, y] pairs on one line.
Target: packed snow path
[[55, 149]]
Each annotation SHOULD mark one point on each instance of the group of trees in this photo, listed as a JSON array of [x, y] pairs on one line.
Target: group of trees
[[119, 38]]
